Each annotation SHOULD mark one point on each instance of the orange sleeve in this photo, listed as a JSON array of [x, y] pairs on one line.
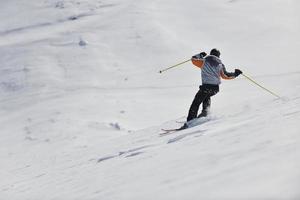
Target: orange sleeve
[[198, 62], [223, 75]]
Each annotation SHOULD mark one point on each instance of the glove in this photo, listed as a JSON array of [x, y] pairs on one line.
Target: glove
[[200, 55], [237, 72], [203, 54]]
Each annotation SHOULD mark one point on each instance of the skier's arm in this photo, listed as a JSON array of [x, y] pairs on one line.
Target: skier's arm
[[230, 75], [198, 60]]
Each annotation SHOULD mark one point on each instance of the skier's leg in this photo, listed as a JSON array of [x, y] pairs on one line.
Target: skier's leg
[[200, 96], [205, 107], [207, 101]]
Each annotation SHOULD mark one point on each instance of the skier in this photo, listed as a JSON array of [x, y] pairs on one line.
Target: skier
[[212, 70]]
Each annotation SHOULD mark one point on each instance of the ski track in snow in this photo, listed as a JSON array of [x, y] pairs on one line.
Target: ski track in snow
[[181, 136], [198, 130], [32, 27]]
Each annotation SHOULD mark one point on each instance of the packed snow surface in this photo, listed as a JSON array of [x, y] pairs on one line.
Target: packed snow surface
[[82, 103]]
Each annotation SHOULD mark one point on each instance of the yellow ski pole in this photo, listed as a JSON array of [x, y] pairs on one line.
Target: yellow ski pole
[[250, 79], [163, 70]]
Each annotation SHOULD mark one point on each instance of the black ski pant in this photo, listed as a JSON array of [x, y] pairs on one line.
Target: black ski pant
[[202, 96]]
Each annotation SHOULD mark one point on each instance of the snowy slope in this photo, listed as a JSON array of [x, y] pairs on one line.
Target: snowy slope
[[82, 104]]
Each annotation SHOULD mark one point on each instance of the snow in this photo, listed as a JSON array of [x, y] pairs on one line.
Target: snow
[[82, 103]]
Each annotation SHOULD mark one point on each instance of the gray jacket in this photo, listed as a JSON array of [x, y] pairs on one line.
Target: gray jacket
[[212, 69]]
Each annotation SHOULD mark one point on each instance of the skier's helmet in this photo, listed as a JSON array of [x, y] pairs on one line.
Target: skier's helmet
[[215, 52]]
